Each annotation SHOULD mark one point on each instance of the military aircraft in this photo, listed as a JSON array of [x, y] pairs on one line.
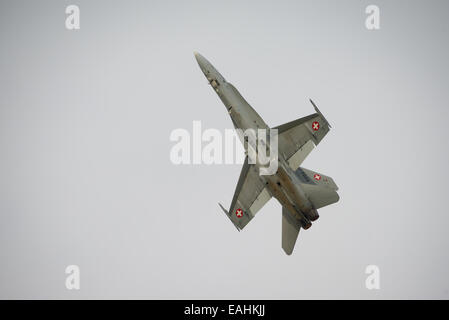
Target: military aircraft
[[300, 191]]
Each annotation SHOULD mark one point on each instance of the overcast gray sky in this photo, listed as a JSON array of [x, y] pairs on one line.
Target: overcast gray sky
[[85, 173]]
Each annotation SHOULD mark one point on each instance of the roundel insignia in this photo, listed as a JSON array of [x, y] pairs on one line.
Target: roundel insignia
[[239, 213], [315, 125], [317, 176]]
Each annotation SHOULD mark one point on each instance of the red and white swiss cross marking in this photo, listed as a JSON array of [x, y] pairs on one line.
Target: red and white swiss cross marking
[[239, 213], [317, 176], [315, 125]]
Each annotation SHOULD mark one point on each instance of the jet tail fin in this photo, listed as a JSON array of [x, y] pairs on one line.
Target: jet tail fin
[[290, 231]]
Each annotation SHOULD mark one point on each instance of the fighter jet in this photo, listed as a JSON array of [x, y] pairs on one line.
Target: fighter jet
[[300, 191]]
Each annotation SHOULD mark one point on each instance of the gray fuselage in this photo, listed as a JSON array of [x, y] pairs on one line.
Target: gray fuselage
[[284, 185]]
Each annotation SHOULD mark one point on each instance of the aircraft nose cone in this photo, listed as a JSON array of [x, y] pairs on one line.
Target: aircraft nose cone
[[200, 59], [206, 67]]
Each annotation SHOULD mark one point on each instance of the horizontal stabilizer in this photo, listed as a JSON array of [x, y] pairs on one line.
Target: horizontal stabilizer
[[320, 196], [313, 177], [290, 231]]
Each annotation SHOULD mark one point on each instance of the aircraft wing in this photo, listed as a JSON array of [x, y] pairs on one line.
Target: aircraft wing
[[297, 138], [250, 196]]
